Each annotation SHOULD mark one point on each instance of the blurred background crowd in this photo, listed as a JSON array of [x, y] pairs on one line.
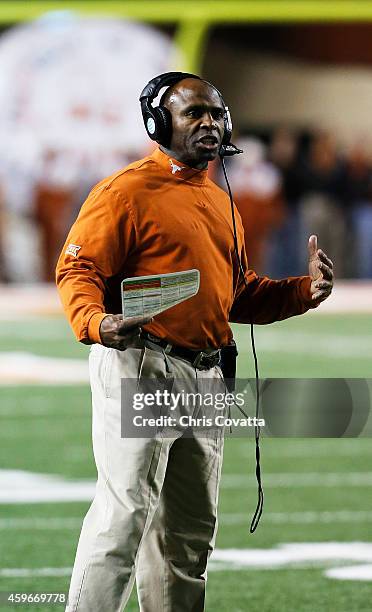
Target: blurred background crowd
[[286, 185], [300, 100]]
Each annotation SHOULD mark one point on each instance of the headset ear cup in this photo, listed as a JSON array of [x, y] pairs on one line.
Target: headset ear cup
[[164, 125], [150, 124]]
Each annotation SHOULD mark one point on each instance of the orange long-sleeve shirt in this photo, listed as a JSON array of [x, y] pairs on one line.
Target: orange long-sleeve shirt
[[157, 216]]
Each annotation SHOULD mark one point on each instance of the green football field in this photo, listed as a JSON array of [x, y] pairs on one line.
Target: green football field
[[318, 492]]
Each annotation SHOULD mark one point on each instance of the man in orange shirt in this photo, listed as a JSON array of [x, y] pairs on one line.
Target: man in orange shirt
[[154, 512]]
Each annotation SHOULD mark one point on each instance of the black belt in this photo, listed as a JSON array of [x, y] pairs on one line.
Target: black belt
[[201, 360]]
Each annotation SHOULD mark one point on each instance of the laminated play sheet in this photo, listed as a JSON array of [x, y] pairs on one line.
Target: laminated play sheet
[[150, 295]]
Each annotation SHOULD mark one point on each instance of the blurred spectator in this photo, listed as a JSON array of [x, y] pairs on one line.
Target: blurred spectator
[[257, 194], [284, 256], [321, 207], [54, 201], [20, 235], [358, 181], [3, 274]]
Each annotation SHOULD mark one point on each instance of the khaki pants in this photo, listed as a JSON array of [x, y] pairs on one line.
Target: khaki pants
[[154, 514]]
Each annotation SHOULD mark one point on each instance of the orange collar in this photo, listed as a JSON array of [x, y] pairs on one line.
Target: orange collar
[[178, 170]]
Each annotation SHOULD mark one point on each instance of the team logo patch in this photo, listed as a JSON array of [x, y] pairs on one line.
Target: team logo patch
[[175, 168], [73, 249]]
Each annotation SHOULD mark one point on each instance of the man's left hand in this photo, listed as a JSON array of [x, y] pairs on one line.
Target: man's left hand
[[320, 271]]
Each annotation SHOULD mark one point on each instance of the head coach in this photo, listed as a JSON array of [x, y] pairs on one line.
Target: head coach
[[154, 514]]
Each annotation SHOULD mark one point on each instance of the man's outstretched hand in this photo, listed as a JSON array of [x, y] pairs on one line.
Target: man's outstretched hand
[[119, 333], [320, 271]]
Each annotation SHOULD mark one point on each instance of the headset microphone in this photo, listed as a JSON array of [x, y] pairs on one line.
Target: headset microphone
[[229, 150]]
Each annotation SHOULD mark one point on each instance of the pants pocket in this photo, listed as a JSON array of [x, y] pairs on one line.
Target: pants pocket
[[106, 371]]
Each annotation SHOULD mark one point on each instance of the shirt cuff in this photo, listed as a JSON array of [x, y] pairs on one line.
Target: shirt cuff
[[305, 292], [94, 325]]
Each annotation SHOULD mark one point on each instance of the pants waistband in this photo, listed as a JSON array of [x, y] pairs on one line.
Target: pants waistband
[[202, 360]]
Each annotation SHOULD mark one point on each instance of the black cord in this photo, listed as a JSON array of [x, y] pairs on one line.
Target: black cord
[[257, 430]]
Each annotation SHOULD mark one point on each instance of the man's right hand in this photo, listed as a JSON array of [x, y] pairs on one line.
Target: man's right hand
[[119, 333]]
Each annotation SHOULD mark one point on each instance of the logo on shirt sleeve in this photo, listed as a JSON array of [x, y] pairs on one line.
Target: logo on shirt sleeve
[[73, 250]]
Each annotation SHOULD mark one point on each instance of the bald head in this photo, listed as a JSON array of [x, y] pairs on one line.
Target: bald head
[[197, 113], [186, 87]]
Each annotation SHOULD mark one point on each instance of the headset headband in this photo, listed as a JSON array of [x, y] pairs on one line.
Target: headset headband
[[151, 90]]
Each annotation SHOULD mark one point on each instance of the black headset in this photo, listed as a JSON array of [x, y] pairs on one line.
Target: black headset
[[158, 119]]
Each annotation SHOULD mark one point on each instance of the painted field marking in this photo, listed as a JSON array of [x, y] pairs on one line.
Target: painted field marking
[[41, 523], [274, 518], [304, 448], [44, 411], [305, 343], [290, 556], [229, 519], [27, 368], [20, 486], [306, 554], [351, 572], [23, 572], [293, 479], [300, 518]]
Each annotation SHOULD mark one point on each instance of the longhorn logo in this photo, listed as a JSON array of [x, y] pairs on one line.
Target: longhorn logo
[[175, 168]]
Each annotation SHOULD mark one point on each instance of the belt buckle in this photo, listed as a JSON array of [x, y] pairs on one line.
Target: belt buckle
[[211, 360]]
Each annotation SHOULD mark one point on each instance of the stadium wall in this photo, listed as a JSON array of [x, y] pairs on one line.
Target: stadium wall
[[273, 89]]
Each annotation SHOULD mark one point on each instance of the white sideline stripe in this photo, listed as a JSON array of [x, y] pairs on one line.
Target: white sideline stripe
[[293, 479], [299, 555], [44, 411], [41, 523], [237, 518], [294, 554], [27, 368], [351, 572], [20, 486], [305, 343], [307, 517], [300, 518], [23, 572], [305, 448]]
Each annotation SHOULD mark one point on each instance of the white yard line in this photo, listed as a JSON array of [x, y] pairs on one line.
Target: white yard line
[[294, 479], [40, 523], [300, 518], [23, 572], [308, 448], [27, 368], [231, 518], [22, 487], [340, 346], [48, 411], [300, 555], [351, 572], [20, 301]]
